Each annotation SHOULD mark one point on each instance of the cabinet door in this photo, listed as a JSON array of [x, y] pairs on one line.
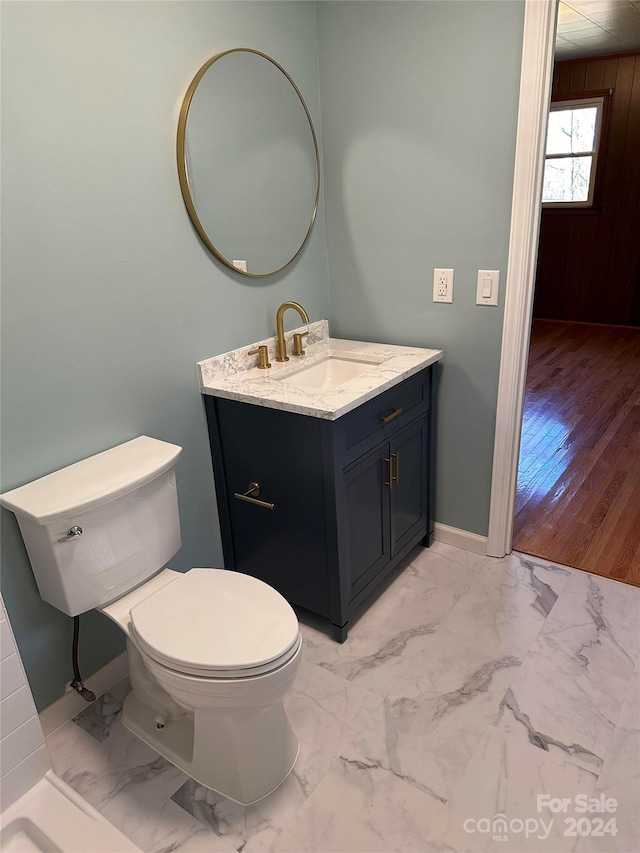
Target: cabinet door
[[409, 493], [366, 519], [285, 547]]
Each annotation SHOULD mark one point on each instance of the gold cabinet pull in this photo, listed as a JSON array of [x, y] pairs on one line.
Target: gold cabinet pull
[[392, 415], [395, 467], [250, 496], [389, 480]]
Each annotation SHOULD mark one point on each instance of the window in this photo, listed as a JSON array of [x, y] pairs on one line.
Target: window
[[574, 133]]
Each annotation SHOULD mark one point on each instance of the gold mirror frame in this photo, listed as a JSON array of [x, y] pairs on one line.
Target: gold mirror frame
[[182, 161]]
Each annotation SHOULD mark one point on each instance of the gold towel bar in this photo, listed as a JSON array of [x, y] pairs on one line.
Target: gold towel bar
[[253, 490]]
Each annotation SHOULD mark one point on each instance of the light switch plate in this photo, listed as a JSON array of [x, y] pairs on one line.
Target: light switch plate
[[240, 265], [488, 285]]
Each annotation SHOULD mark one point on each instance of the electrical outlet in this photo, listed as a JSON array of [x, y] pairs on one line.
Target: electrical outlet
[[442, 285]]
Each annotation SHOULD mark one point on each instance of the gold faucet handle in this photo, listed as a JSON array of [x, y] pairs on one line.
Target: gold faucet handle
[[263, 356], [297, 343]]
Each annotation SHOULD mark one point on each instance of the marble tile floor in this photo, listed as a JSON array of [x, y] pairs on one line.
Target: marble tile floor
[[477, 705]]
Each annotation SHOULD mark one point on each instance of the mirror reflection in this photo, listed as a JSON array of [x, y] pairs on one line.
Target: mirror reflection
[[248, 161]]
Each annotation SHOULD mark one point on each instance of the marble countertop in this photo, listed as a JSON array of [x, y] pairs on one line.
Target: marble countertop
[[235, 376]]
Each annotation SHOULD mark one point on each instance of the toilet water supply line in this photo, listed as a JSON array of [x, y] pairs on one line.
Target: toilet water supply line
[[77, 684]]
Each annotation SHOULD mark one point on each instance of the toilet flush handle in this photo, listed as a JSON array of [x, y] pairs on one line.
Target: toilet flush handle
[[73, 533]]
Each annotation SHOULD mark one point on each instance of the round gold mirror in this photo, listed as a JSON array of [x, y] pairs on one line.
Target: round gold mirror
[[248, 162]]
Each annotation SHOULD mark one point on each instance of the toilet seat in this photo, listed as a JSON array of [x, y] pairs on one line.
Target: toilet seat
[[218, 624]]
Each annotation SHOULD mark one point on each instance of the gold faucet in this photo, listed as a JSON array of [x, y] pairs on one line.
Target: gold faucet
[[281, 343]]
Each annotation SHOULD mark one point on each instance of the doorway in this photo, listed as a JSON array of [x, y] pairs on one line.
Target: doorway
[[578, 493], [538, 55]]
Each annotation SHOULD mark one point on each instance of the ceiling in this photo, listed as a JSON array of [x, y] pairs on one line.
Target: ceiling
[[596, 27]]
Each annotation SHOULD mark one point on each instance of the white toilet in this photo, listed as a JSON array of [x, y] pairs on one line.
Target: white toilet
[[211, 652]]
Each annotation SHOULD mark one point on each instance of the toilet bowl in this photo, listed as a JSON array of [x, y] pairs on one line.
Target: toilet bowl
[[211, 655], [211, 652]]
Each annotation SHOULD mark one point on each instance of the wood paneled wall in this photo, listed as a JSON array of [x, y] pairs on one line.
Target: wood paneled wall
[[589, 260]]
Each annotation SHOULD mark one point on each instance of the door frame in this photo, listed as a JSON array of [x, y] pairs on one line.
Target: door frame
[[535, 95]]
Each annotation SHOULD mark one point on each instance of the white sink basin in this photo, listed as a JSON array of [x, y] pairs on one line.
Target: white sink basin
[[330, 372]]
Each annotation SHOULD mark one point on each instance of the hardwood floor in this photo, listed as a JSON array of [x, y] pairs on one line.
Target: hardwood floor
[[578, 497]]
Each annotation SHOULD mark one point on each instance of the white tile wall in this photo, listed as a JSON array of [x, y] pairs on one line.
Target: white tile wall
[[23, 755]]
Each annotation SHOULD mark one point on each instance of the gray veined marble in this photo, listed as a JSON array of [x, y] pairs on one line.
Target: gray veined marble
[[391, 650], [572, 750], [237, 361], [425, 639], [410, 606], [358, 807], [233, 375], [428, 739], [470, 687], [596, 608], [479, 682], [234, 827], [568, 694], [96, 719], [540, 582], [504, 779], [620, 779]]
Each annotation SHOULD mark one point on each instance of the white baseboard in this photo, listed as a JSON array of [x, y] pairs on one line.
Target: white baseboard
[[460, 539], [65, 708]]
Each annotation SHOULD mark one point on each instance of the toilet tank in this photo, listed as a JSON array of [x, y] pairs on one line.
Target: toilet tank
[[124, 503]]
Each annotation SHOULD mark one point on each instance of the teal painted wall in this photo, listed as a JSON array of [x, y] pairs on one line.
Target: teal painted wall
[[108, 296], [419, 106]]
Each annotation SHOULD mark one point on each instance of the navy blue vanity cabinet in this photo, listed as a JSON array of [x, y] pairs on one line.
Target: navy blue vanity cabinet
[[340, 503]]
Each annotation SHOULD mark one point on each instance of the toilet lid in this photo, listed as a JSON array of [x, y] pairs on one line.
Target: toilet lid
[[215, 620]]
